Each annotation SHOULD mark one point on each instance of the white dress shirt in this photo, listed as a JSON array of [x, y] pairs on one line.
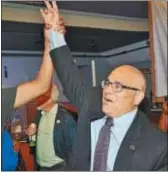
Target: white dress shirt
[[118, 131]]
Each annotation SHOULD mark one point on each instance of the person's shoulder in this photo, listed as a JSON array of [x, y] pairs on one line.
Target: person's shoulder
[[7, 100], [63, 110], [8, 96], [153, 132], [8, 91], [158, 138], [64, 113]]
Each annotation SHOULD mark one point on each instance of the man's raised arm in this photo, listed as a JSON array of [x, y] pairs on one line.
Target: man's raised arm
[[27, 91], [69, 75], [74, 86], [17, 96]]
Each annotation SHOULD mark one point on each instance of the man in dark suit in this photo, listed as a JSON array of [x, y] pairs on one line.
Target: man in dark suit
[[56, 131], [112, 134]]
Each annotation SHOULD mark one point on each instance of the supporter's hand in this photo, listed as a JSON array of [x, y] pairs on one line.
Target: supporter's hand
[[31, 130], [52, 18]]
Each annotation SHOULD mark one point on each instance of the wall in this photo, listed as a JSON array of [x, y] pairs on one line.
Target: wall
[[21, 69], [15, 69]]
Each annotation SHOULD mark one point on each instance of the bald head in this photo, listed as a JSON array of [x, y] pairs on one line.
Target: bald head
[[123, 91], [129, 76]]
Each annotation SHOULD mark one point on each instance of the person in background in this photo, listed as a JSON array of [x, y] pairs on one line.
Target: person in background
[[112, 133], [15, 97], [9, 155], [56, 130]]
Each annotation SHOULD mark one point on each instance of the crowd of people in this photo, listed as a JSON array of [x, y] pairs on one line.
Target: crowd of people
[[111, 133]]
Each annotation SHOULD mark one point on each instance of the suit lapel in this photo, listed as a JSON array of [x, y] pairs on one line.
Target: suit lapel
[[128, 145], [57, 119]]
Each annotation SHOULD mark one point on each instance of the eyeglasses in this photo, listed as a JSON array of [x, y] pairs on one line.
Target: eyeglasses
[[116, 86]]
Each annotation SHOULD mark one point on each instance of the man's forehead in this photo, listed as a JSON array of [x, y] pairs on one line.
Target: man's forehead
[[123, 79], [126, 71]]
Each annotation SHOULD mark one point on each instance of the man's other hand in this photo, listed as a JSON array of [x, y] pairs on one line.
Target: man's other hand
[[31, 130], [52, 18]]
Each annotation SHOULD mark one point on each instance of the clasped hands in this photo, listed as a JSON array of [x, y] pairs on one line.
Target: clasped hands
[[52, 18]]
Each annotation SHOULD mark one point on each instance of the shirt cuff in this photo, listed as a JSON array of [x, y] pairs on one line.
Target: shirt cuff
[[56, 39]]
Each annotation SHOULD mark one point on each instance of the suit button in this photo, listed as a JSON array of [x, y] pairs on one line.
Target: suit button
[[132, 147]]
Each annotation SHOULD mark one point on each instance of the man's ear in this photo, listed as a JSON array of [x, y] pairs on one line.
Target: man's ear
[[139, 96]]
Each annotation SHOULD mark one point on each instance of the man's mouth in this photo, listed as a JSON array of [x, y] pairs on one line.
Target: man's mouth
[[108, 100]]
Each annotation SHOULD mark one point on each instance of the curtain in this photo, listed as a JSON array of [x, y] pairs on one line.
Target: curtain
[[158, 46]]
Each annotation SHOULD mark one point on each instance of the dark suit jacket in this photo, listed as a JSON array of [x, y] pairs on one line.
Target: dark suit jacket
[[145, 107], [144, 146], [64, 132]]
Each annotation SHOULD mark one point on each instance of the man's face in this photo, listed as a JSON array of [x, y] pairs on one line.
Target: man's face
[[116, 101]]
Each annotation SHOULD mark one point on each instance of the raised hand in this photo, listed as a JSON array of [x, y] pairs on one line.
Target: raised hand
[[52, 18]]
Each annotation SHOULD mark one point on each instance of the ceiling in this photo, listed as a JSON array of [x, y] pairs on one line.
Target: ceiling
[[29, 36], [135, 9]]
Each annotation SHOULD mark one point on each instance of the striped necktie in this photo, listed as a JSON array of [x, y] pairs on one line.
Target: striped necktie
[[102, 146]]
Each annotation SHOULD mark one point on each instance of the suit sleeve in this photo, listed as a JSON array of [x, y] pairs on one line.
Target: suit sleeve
[[75, 88]]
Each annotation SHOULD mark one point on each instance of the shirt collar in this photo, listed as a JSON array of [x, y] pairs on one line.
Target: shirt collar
[[126, 119], [53, 110]]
